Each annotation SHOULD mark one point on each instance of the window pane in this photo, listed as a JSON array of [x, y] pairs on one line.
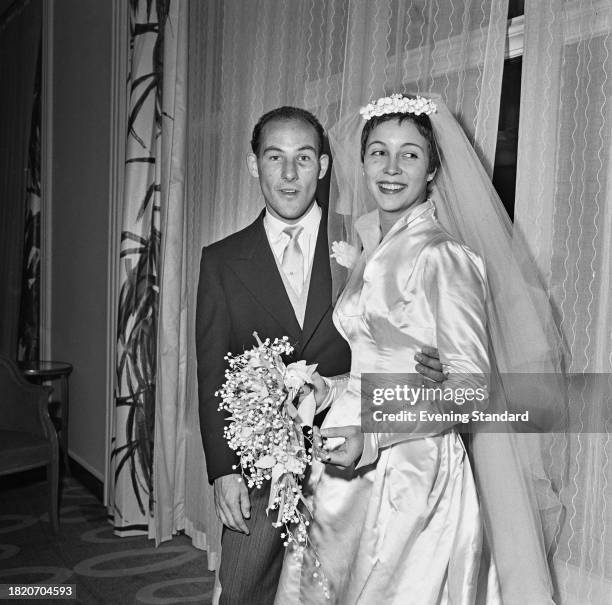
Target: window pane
[[504, 171], [516, 8]]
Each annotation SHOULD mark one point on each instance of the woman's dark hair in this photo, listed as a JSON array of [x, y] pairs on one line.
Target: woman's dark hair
[[286, 113], [423, 124]]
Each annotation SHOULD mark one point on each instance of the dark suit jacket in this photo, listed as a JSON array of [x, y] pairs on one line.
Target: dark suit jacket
[[241, 291]]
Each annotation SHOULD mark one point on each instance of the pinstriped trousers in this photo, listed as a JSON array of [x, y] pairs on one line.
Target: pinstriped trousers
[[251, 565]]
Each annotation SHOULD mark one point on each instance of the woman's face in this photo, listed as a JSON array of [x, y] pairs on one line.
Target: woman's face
[[395, 164]]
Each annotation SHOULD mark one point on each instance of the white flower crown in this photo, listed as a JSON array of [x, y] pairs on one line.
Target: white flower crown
[[398, 103]]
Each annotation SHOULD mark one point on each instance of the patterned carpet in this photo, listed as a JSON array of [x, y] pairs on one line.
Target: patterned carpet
[[105, 569]]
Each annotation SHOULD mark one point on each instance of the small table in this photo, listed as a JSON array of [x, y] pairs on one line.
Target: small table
[[47, 371]]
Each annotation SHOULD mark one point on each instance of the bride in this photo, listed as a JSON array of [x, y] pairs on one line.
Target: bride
[[396, 514]]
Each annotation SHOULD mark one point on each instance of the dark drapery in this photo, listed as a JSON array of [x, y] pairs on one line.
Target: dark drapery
[[20, 27]]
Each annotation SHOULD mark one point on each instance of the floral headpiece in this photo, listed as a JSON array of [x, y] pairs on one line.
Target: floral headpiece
[[398, 103]]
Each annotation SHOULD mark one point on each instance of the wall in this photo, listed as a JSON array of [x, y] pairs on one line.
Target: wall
[[81, 84]]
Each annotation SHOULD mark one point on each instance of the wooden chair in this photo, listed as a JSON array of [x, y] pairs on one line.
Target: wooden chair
[[27, 435]]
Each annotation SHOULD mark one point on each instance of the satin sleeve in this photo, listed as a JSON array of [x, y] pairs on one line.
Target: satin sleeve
[[336, 386], [453, 279]]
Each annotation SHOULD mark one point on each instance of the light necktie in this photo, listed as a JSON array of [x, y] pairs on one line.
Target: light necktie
[[293, 258]]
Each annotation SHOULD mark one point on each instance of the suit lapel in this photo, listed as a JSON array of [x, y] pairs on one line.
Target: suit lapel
[[319, 291], [256, 268]]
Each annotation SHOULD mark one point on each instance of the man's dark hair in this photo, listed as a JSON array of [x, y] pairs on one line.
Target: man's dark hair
[[423, 125], [287, 113]]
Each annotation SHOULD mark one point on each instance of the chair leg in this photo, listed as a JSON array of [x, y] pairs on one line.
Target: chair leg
[[65, 408], [53, 482]]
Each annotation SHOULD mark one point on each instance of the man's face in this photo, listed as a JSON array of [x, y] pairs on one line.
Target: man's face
[[288, 167]]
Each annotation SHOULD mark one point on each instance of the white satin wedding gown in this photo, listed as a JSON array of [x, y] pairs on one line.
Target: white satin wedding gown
[[404, 527]]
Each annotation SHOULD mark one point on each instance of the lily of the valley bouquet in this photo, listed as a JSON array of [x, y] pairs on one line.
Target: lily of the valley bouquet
[[265, 427]]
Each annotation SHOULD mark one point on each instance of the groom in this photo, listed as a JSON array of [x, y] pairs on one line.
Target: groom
[[273, 277]]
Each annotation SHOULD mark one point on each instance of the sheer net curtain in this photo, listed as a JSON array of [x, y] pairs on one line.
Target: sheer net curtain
[[564, 211], [330, 57], [176, 238]]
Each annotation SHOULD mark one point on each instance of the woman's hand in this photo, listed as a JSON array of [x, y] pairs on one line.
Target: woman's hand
[[346, 453], [429, 364]]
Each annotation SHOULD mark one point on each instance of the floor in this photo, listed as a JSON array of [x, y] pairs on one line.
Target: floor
[[103, 568]]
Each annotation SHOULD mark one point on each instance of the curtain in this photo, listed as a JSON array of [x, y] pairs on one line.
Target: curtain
[[29, 308], [20, 30], [131, 492], [330, 57], [177, 237], [564, 212]]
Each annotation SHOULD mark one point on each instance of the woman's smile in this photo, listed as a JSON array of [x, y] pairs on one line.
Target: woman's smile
[[390, 188]]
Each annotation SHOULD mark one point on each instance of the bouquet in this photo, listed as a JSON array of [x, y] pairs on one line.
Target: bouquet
[[265, 427]]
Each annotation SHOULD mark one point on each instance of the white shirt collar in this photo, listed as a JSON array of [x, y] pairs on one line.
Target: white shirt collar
[[310, 222]]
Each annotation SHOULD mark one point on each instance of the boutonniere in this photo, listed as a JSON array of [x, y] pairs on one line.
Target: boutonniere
[[344, 254]]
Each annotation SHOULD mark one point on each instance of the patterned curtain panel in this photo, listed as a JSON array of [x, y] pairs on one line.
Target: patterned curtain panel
[[29, 311], [330, 57], [564, 212], [131, 494]]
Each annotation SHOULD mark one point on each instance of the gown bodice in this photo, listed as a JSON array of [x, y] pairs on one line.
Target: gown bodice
[[417, 287]]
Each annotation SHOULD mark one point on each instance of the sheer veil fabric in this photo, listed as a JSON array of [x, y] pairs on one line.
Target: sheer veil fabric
[[518, 496]]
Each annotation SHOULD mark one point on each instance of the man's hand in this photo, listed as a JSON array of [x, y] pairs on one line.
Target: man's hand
[[429, 364], [232, 502], [346, 453]]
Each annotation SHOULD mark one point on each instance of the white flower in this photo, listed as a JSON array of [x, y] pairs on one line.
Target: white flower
[[255, 362], [259, 388], [344, 254], [266, 461], [398, 103], [246, 433], [298, 373]]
